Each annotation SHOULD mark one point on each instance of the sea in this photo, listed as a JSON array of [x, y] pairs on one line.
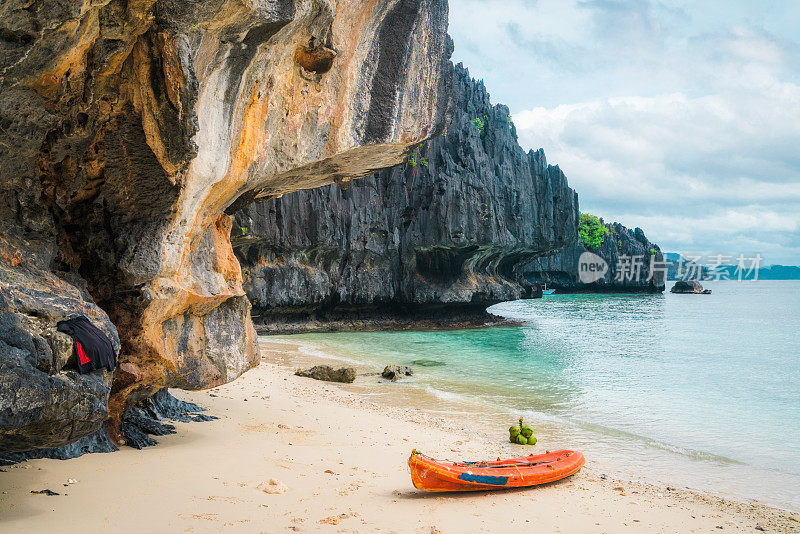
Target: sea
[[693, 391]]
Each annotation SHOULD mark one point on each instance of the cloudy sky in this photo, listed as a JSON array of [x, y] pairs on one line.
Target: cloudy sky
[[681, 117]]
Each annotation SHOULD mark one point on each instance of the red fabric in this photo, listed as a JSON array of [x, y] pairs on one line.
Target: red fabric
[[82, 354]]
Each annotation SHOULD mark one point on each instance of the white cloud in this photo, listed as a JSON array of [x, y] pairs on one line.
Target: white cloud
[[679, 118], [690, 171]]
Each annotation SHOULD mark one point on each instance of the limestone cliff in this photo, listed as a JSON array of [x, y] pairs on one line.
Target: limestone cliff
[[131, 129], [452, 227], [634, 265]]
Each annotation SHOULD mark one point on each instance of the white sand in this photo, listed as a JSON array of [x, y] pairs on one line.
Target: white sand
[[338, 463]]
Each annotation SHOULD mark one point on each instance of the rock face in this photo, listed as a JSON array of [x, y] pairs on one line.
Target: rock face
[[453, 227], [132, 129], [146, 418], [634, 265], [141, 420], [329, 374], [44, 402]]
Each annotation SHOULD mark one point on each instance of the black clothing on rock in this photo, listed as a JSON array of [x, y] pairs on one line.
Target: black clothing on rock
[[92, 346]]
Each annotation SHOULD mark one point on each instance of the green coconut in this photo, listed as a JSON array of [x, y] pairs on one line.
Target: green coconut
[[532, 440], [526, 431], [522, 440], [514, 431]]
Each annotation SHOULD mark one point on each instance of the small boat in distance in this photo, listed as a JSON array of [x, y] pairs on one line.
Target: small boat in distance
[[434, 475], [546, 291]]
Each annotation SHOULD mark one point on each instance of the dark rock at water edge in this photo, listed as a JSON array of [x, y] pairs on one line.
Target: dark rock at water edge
[[536, 292], [329, 374], [689, 286], [377, 318], [396, 372]]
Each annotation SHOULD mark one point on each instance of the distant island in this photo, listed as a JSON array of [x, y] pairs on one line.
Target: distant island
[[679, 267]]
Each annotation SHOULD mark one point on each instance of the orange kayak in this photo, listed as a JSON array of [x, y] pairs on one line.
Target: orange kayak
[[432, 475]]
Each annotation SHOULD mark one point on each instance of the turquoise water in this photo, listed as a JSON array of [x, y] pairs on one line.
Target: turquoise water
[[695, 390]]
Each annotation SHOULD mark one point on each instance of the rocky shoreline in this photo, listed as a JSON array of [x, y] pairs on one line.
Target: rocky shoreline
[[376, 319]]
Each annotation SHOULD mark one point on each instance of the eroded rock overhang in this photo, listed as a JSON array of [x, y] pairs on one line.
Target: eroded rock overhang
[[133, 128]]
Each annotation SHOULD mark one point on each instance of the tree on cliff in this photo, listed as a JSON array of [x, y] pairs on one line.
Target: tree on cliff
[[591, 230]]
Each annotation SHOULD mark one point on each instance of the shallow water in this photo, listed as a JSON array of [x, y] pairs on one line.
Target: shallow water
[[700, 391]]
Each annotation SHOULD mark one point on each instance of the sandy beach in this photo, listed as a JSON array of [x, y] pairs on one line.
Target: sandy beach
[[293, 454]]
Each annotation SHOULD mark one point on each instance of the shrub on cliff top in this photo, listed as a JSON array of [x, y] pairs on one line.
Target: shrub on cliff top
[[591, 231]]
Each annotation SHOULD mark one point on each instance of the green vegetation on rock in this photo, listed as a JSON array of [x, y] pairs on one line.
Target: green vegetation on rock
[[480, 124], [591, 231]]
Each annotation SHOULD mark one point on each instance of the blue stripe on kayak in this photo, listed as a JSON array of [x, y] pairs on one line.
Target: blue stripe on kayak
[[484, 479]]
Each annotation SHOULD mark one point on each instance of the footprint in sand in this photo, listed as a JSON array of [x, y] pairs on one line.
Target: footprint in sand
[[256, 427], [220, 498], [207, 517]]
